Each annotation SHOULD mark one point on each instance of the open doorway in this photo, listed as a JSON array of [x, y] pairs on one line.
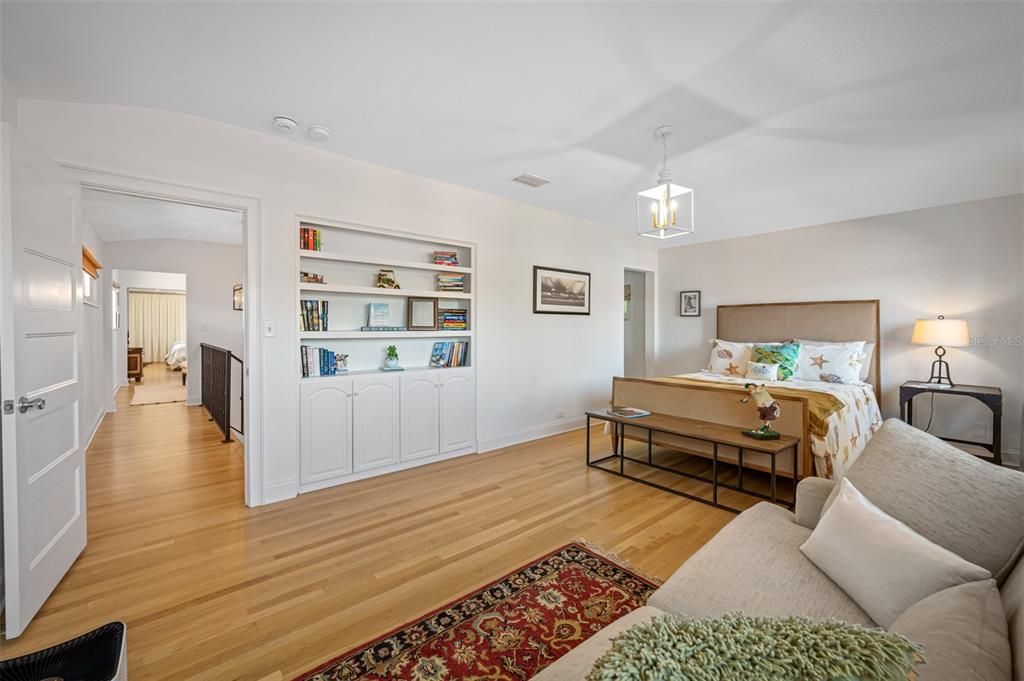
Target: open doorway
[[638, 323]]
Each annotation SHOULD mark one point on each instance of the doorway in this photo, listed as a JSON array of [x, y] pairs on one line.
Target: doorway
[[638, 323]]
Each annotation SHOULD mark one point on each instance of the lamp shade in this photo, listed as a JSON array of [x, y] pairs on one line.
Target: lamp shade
[[947, 332]]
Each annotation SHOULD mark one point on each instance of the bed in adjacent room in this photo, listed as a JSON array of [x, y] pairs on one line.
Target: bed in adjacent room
[[177, 355], [827, 388]]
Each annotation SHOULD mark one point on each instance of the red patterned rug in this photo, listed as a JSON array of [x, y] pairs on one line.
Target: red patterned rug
[[508, 630]]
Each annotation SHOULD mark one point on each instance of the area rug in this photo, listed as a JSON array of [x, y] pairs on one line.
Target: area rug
[[158, 394], [508, 630]]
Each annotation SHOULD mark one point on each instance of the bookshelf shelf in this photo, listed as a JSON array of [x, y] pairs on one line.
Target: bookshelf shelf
[[383, 262], [373, 291], [372, 372], [369, 335]]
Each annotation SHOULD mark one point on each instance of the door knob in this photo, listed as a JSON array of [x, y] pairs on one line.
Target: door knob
[[24, 404]]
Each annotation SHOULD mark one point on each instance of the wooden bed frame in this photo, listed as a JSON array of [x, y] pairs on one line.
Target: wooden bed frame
[[835, 320]]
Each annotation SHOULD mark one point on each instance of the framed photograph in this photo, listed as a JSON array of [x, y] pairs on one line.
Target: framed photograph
[[422, 314], [236, 297], [627, 295], [558, 291], [689, 303]]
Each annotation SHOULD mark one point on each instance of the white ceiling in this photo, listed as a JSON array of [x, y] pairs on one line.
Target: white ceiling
[[123, 217], [788, 114]]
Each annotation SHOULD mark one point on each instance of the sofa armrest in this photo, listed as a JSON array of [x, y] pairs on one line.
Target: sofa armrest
[[811, 494]]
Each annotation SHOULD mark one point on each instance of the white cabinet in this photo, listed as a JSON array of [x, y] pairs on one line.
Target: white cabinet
[[458, 410], [375, 419], [325, 450], [421, 408]]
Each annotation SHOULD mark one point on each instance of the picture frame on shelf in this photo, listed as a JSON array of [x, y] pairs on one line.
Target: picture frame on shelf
[[689, 303], [421, 314], [558, 291]]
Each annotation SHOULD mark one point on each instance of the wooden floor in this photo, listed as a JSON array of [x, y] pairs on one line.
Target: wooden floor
[[210, 589]]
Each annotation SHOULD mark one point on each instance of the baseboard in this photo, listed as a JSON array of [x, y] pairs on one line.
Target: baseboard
[[535, 433], [194, 403], [95, 427], [279, 491]]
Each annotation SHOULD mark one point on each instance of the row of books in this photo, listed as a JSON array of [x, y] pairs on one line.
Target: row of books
[[446, 258], [309, 239], [451, 282], [450, 354], [313, 315], [321, 362], [452, 319], [311, 278]]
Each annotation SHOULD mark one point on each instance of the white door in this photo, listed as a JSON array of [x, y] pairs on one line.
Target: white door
[[421, 409], [458, 410], [325, 450], [43, 464], [375, 425]]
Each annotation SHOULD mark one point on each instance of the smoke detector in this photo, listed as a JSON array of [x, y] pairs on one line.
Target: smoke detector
[[531, 180], [318, 133], [284, 123]]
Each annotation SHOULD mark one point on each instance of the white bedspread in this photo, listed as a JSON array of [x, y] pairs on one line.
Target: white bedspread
[[849, 430], [177, 355]]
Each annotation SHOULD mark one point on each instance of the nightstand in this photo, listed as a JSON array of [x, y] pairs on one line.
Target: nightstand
[[990, 396]]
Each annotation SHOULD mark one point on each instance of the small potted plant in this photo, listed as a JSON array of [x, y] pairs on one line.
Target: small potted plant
[[391, 359]]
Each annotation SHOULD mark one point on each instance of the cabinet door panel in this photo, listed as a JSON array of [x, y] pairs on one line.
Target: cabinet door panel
[[326, 444], [458, 410], [420, 416], [375, 414]]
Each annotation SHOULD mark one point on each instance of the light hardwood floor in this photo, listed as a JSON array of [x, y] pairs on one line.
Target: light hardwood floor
[[210, 589]]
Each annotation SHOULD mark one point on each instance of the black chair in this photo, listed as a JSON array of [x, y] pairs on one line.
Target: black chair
[[96, 656]]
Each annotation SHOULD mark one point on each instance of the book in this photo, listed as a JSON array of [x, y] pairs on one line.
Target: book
[[321, 362], [378, 315], [309, 239], [449, 354], [311, 278], [446, 258], [313, 315], [628, 412]]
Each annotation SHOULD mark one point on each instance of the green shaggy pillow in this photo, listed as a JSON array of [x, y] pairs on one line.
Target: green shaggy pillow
[[741, 648], [783, 354]]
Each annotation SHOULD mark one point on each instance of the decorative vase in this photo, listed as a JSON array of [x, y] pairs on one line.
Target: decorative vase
[[391, 363]]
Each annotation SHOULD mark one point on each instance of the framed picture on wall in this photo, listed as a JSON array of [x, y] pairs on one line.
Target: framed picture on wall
[[689, 303], [557, 291], [236, 297], [627, 296]]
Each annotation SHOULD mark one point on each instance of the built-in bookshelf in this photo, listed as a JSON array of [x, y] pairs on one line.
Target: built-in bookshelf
[[362, 420]]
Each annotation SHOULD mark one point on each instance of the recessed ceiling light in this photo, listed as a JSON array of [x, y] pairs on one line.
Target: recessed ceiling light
[[531, 180], [285, 123], [318, 133]]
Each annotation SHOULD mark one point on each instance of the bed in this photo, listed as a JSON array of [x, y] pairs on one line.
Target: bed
[[177, 355], [833, 420]]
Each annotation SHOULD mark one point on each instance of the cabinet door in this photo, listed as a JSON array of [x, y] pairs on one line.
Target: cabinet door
[[421, 409], [375, 424], [458, 410], [325, 447]]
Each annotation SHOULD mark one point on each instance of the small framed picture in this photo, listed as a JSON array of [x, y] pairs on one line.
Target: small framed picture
[[558, 291], [236, 297], [689, 303], [422, 314]]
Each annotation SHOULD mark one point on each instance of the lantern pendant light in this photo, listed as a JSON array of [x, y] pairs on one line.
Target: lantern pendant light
[[666, 209]]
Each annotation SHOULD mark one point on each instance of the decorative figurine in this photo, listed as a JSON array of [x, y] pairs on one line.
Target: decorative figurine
[[391, 360], [386, 279], [767, 410], [340, 363]]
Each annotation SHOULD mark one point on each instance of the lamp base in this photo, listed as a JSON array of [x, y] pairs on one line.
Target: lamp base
[[940, 370]]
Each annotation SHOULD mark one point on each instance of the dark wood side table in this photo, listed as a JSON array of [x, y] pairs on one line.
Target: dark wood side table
[[990, 396]]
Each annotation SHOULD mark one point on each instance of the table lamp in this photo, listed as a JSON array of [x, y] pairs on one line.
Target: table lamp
[[941, 332]]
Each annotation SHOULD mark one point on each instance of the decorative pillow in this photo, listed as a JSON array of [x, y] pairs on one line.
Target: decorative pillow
[[783, 354], [729, 358], [737, 647], [763, 372], [963, 631], [830, 362], [865, 367], [882, 564]]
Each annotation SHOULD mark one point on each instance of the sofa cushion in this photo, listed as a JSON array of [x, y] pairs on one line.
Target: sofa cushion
[[576, 664], [963, 632], [1013, 605], [754, 565], [954, 499]]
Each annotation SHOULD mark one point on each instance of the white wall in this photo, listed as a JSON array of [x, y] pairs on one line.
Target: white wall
[[95, 337], [963, 261], [530, 368], [129, 279], [635, 327]]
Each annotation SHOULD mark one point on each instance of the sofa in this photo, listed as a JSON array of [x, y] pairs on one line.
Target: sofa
[[754, 564]]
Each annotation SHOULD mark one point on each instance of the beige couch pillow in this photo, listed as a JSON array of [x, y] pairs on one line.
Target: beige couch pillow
[[963, 632], [882, 564]]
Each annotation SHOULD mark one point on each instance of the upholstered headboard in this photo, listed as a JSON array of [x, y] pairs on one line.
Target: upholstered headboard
[[829, 320]]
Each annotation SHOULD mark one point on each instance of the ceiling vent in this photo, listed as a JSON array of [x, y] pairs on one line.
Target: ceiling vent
[[531, 180]]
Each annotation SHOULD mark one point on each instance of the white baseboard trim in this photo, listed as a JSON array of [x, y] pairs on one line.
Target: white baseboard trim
[[535, 433], [279, 491], [194, 403], [95, 427]]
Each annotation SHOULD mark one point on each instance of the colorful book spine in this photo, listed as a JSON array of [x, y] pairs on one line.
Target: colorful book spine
[[310, 239], [313, 315], [450, 354], [318, 362]]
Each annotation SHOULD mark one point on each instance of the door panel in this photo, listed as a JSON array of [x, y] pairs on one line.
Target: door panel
[[458, 410], [375, 419], [43, 463], [421, 408], [326, 446]]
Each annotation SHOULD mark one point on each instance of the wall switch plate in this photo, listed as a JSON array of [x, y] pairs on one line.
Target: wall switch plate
[[269, 328]]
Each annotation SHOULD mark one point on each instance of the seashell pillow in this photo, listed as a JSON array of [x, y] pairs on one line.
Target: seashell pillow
[[728, 358], [830, 362]]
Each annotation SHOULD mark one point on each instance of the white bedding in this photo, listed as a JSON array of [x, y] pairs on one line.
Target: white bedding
[[177, 355], [849, 430]]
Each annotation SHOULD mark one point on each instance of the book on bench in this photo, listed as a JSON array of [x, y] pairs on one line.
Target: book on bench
[[628, 412]]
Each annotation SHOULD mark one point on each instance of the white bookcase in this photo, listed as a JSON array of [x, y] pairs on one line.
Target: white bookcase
[[368, 421]]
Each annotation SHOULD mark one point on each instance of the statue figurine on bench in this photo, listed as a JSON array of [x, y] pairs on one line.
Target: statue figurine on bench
[[767, 410]]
